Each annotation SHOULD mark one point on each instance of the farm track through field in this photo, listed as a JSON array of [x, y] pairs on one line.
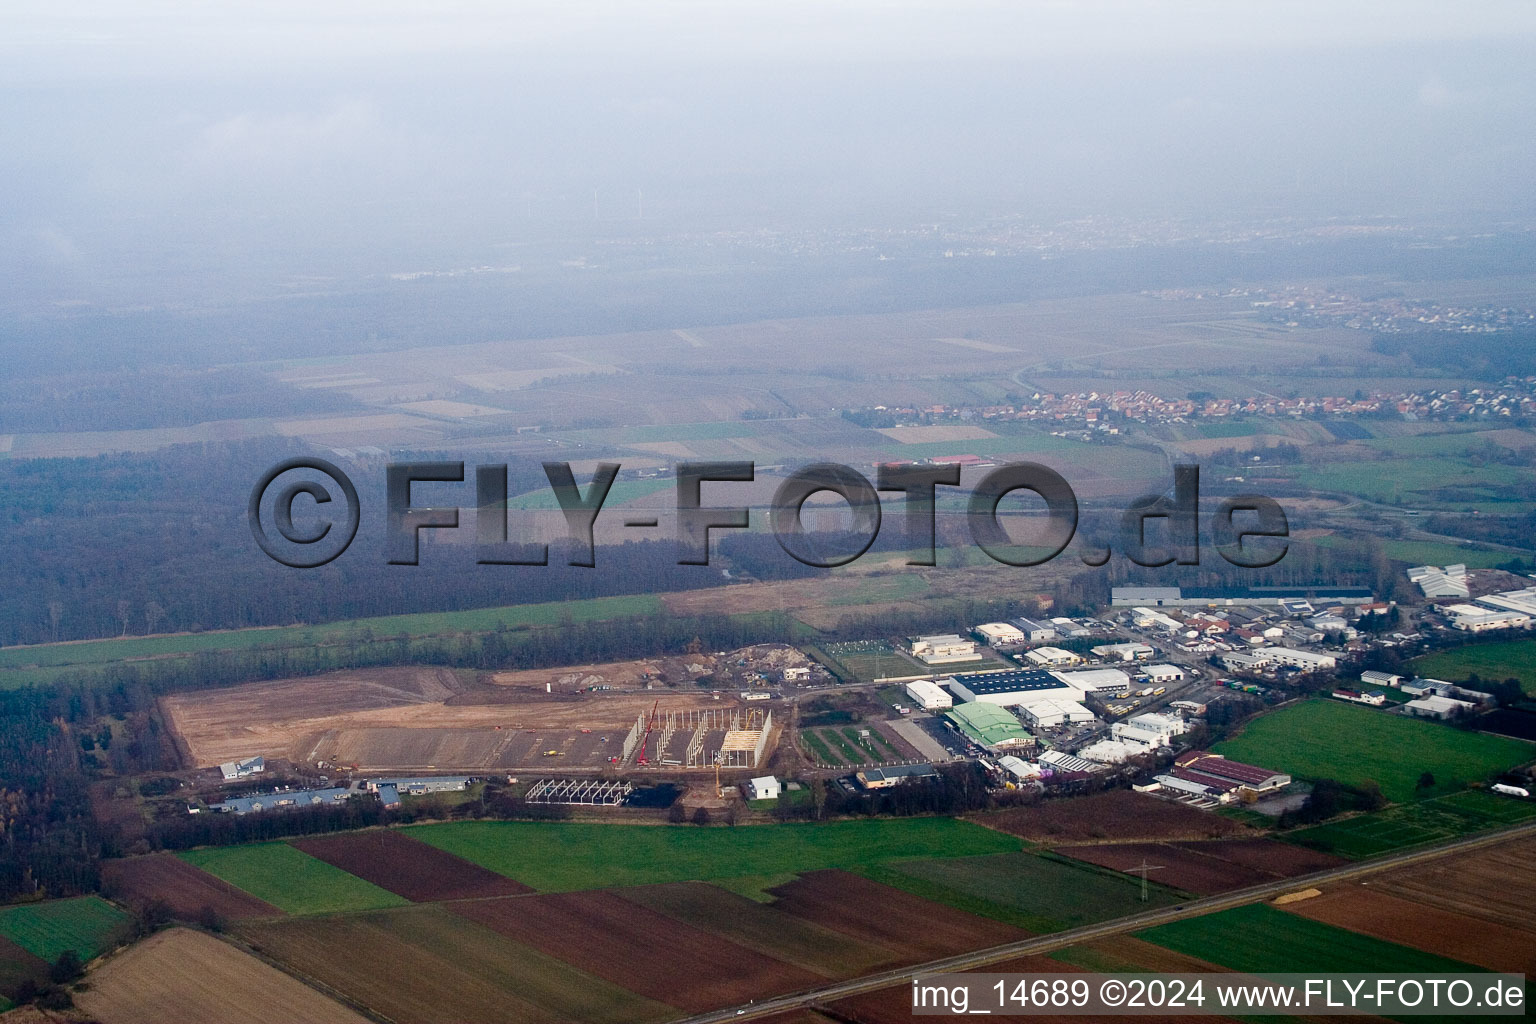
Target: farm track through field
[[997, 955]]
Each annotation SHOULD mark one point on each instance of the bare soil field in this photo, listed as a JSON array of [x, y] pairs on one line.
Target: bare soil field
[[639, 949], [760, 927], [184, 888], [1282, 860], [1114, 816], [421, 873], [411, 718], [17, 966], [1192, 872], [1360, 908], [183, 975], [925, 435], [457, 970], [914, 929], [1123, 952], [1493, 884]]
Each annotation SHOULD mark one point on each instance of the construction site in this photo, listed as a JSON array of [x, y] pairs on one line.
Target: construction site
[[711, 737]]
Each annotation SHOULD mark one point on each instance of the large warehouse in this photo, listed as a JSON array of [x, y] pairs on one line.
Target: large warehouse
[[990, 726], [929, 695], [1009, 688], [1096, 680], [1054, 712]]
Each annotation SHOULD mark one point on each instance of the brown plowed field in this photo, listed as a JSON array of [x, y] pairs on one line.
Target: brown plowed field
[[1116, 815], [423, 965], [406, 867], [912, 928], [640, 949], [1362, 909], [183, 975], [184, 888], [1118, 950], [1271, 856], [758, 926], [1493, 884], [1180, 868]]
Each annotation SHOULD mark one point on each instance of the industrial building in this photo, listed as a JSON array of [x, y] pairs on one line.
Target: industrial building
[[1264, 657], [990, 726], [1370, 677], [586, 792], [1149, 730], [1111, 751], [944, 649], [1217, 597], [1054, 712], [1522, 601], [1052, 656], [1161, 674], [895, 775], [929, 696], [1001, 634], [1204, 767], [1018, 767], [1146, 618], [1008, 688], [1066, 627], [1096, 680], [1125, 652], [1471, 618], [1440, 583], [424, 785], [282, 800], [243, 769], [1035, 632], [1435, 706], [1060, 762]]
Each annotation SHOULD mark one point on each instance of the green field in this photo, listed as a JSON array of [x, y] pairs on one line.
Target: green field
[[1500, 660], [566, 856], [1413, 824], [1416, 480], [1039, 894], [1428, 552], [85, 924], [1320, 739], [1258, 939], [21, 666], [620, 493], [866, 660], [290, 879]]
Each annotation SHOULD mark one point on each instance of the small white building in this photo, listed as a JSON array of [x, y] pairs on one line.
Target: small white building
[[944, 649], [1035, 631], [243, 769], [1001, 634], [797, 674], [1053, 656], [1146, 618], [1054, 712], [1370, 677], [765, 788], [1125, 652], [929, 696], [1432, 706], [1149, 730], [1164, 673]]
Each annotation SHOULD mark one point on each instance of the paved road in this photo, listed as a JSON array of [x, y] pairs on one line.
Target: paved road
[[1047, 943]]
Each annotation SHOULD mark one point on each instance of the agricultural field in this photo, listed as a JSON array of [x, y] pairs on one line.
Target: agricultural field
[[1503, 659], [1328, 739], [1116, 815], [912, 928], [1036, 893], [638, 949], [290, 879], [765, 929], [86, 924], [1492, 884], [1428, 481], [392, 860], [567, 856], [184, 975], [1364, 909], [1206, 867], [458, 970], [186, 890], [1415, 823], [1258, 938]]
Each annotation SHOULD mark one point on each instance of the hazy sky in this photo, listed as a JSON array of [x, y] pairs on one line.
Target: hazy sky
[[162, 136]]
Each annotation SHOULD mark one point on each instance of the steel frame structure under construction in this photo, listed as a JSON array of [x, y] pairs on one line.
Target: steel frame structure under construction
[[745, 736]]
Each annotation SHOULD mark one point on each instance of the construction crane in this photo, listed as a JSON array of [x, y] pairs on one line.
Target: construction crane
[[650, 723]]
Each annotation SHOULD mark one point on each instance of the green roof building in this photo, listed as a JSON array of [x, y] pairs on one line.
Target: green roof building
[[990, 726]]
